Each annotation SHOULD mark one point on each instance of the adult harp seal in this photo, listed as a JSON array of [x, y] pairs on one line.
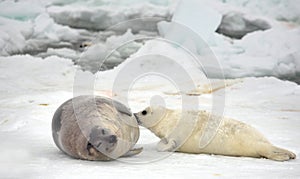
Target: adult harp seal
[[95, 128]]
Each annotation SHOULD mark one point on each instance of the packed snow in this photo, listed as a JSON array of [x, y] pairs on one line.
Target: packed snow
[[31, 92], [53, 50]]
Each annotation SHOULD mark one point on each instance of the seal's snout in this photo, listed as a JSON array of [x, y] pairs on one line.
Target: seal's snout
[[137, 118], [102, 138], [112, 139]]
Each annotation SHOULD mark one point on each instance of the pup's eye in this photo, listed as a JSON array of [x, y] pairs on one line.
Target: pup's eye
[[144, 113]]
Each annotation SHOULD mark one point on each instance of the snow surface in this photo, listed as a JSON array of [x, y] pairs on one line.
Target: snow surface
[[31, 92], [42, 65]]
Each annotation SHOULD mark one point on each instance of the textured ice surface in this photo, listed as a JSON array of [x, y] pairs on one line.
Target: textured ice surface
[[194, 14], [49, 24], [273, 52], [283, 10], [103, 17], [36, 35], [20, 10], [237, 25], [108, 54], [191, 17]]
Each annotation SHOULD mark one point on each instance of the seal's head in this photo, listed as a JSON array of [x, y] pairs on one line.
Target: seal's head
[[150, 116], [101, 140]]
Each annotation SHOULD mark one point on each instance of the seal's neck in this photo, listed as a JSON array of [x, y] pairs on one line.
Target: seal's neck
[[166, 124]]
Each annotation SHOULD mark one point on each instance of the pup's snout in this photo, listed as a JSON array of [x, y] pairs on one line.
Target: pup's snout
[[137, 118]]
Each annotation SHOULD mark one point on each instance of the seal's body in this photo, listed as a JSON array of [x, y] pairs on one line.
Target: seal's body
[[232, 138], [95, 128]]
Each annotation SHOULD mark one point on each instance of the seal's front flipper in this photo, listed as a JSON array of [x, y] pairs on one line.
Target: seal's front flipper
[[133, 152], [166, 145]]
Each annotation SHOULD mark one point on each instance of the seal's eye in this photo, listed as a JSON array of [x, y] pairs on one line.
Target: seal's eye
[[144, 112]]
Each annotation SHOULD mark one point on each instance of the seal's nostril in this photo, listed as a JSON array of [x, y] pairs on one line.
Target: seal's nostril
[[112, 139]]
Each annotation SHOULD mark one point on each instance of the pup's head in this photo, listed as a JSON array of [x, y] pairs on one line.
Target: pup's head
[[150, 116]]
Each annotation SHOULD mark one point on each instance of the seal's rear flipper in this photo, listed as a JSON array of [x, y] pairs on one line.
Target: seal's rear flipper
[[133, 152], [167, 145], [276, 153]]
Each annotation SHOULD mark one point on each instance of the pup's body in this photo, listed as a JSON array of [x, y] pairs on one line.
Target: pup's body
[[232, 138]]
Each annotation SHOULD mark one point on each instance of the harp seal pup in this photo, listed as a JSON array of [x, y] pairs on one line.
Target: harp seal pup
[[232, 138], [95, 128]]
